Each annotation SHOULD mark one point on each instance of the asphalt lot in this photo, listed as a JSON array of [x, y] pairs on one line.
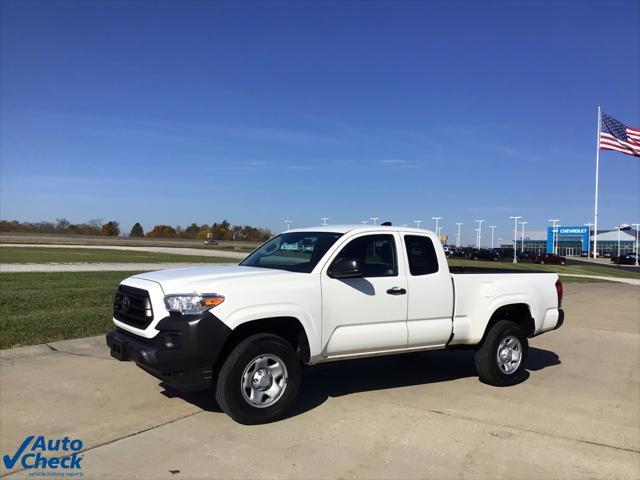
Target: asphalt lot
[[411, 416], [603, 262]]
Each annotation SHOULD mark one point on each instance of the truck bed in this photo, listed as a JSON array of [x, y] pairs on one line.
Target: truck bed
[[481, 291], [475, 270]]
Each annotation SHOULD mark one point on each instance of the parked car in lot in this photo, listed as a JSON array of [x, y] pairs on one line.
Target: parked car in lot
[[526, 257], [360, 291], [483, 254], [550, 258], [504, 253], [459, 252], [628, 259]]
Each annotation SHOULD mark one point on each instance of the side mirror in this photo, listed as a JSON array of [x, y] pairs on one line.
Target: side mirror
[[346, 268]]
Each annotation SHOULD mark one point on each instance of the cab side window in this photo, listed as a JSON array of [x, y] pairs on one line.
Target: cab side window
[[421, 255], [376, 253]]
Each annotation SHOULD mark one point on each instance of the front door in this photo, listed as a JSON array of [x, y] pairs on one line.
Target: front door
[[367, 314]]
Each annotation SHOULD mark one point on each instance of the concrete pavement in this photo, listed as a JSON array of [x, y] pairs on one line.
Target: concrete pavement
[[411, 416]]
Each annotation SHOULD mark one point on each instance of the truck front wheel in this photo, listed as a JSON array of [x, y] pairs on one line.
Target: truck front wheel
[[502, 358], [259, 380]]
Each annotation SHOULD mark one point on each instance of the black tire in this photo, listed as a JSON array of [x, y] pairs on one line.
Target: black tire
[[486, 357], [229, 391]]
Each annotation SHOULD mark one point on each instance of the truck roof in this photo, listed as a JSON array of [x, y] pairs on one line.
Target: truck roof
[[360, 228]]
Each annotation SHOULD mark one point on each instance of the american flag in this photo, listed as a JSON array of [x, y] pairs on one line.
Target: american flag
[[615, 135]]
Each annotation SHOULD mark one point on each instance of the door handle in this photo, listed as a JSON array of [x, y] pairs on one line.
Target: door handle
[[396, 291]]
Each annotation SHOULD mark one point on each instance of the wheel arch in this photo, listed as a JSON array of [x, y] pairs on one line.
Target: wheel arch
[[287, 327], [519, 313]]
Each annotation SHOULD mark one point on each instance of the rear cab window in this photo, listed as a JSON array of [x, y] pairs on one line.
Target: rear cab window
[[421, 255]]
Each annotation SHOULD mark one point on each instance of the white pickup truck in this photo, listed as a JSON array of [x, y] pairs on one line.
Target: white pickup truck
[[349, 291]]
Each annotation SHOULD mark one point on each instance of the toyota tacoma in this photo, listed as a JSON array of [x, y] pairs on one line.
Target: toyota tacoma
[[325, 294]]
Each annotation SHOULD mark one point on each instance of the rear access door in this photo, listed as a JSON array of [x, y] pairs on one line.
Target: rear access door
[[430, 293]]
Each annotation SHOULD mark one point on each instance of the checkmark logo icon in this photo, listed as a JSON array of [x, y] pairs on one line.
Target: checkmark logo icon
[[10, 462]]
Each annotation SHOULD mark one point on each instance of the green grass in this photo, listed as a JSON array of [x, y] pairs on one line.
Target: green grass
[[566, 279], [97, 255], [43, 307], [586, 269]]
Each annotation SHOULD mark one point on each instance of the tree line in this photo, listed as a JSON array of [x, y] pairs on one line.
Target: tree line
[[217, 231]]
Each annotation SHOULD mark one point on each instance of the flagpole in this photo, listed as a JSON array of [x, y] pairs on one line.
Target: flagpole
[[595, 211]]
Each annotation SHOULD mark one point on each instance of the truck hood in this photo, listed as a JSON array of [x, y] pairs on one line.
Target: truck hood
[[206, 279]]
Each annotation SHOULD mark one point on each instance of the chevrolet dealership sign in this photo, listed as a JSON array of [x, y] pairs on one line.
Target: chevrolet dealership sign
[[575, 234]]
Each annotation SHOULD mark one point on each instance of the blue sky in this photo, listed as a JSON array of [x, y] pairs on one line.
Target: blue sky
[[180, 112]]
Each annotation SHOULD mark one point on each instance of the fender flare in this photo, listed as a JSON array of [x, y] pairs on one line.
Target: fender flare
[[479, 330], [259, 312]]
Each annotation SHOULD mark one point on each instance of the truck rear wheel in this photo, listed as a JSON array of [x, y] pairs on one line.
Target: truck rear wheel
[[259, 380], [502, 358]]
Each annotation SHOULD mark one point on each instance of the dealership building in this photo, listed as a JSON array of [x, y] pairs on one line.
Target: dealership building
[[577, 240]]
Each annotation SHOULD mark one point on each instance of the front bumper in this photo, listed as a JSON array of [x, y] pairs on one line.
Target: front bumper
[[183, 352]]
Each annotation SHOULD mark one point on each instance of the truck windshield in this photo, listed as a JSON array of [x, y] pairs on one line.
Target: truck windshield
[[295, 251]]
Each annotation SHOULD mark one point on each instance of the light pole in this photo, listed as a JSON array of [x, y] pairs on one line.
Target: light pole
[[374, 219], [323, 221], [554, 239], [522, 237], [437, 219], [618, 227], [515, 237], [637, 225], [477, 234], [480, 232], [492, 227], [418, 222], [589, 243], [288, 223], [458, 235]]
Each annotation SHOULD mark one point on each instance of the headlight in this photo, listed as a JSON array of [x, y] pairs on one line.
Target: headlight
[[192, 304]]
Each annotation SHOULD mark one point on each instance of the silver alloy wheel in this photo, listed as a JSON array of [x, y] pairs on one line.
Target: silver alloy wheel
[[264, 381], [509, 354]]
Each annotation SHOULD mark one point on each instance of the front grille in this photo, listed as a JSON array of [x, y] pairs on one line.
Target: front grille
[[133, 307]]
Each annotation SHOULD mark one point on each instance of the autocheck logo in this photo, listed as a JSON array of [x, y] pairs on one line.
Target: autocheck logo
[[61, 455]]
